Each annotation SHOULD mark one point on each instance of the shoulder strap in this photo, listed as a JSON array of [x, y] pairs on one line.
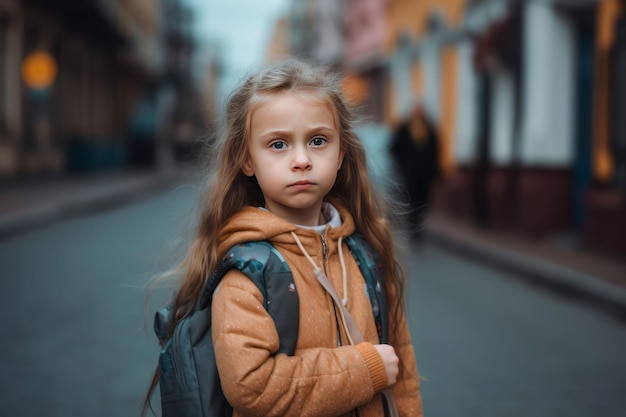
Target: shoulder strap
[[269, 271], [267, 268], [354, 334], [370, 266]]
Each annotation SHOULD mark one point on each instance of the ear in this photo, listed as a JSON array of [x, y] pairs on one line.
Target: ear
[[246, 168]]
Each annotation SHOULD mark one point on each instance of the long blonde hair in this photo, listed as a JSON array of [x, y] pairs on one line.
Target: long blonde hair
[[230, 190]]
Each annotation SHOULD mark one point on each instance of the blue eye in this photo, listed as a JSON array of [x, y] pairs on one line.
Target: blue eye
[[318, 141], [278, 145]]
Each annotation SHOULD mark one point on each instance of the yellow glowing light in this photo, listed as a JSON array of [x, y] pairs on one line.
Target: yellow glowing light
[[39, 69]]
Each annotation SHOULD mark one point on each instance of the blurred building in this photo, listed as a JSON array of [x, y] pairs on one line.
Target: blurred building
[[526, 96], [82, 83], [315, 30], [189, 83], [345, 35], [364, 61], [529, 98], [528, 145], [300, 28], [278, 47]]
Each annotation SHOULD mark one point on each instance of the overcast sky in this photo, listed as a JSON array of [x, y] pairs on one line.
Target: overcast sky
[[242, 28]]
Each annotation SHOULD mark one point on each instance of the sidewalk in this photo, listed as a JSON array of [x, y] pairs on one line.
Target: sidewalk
[[27, 204], [600, 281], [557, 264]]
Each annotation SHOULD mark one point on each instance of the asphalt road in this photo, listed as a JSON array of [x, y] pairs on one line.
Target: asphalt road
[[488, 344], [74, 311], [76, 337]]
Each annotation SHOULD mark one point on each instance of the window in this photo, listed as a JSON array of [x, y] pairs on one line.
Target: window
[[4, 62], [619, 104]]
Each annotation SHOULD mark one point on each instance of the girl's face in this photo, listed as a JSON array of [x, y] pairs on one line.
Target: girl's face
[[294, 150]]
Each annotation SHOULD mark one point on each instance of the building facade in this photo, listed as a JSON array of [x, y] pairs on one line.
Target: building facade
[[81, 84], [364, 59], [526, 96], [605, 216], [315, 31]]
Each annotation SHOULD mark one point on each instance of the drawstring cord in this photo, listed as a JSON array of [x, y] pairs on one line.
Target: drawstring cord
[[348, 323], [347, 320], [344, 275]]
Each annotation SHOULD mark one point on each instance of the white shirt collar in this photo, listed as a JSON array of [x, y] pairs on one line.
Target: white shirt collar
[[331, 214]]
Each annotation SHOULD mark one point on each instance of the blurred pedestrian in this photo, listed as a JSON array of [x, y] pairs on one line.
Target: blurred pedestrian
[[415, 150], [291, 171]]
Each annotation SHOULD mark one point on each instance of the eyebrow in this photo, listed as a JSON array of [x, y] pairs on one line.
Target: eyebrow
[[323, 127], [285, 132]]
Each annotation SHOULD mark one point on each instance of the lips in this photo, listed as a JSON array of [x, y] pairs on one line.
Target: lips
[[302, 184]]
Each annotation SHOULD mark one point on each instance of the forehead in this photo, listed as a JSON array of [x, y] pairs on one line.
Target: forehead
[[313, 98]]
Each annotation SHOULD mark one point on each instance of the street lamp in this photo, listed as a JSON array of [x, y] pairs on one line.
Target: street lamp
[[39, 69]]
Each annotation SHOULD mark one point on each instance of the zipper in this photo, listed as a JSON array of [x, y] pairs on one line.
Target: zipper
[[324, 255], [324, 251]]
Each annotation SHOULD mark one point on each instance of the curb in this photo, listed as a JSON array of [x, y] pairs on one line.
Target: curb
[[87, 201], [560, 280]]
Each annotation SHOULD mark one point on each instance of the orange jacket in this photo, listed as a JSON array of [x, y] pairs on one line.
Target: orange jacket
[[323, 378]]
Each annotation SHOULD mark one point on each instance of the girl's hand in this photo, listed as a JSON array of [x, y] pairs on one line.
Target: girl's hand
[[391, 360]]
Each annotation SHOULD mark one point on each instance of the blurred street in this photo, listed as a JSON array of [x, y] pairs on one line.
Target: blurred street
[[500, 123], [75, 341], [78, 336], [489, 345]]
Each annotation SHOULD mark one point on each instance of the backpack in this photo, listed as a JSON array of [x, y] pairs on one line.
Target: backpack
[[188, 378]]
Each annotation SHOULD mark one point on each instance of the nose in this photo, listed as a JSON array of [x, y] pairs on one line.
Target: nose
[[301, 159]]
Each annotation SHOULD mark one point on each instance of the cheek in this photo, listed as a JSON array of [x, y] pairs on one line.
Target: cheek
[[267, 171], [332, 172]]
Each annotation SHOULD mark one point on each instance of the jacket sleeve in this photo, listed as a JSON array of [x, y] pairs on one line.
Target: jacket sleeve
[[406, 391], [314, 382]]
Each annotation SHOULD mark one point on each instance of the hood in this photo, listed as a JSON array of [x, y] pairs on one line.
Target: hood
[[254, 224]]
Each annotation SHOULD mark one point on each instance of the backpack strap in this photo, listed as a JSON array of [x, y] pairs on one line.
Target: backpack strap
[[188, 376], [370, 266], [267, 268]]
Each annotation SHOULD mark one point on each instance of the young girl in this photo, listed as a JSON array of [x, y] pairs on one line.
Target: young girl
[[291, 171]]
